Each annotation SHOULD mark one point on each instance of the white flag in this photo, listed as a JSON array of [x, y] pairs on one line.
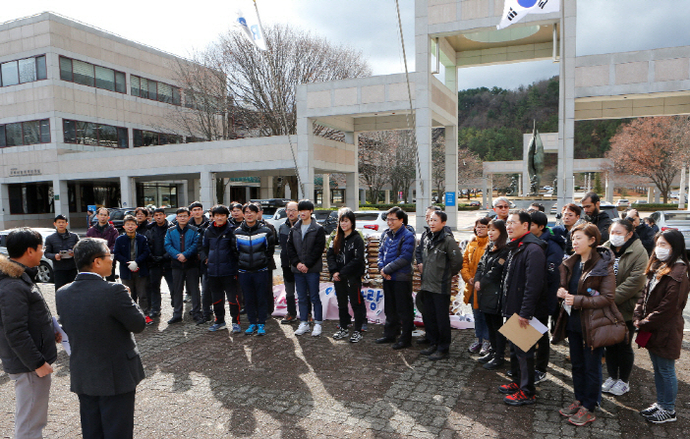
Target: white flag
[[250, 24], [515, 10]]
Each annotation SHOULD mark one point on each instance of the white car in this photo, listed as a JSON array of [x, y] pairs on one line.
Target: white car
[[371, 222], [45, 269], [277, 218]]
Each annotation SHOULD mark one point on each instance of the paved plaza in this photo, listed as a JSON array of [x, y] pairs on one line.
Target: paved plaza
[[217, 385]]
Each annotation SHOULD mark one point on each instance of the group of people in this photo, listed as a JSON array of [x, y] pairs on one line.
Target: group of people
[[592, 277], [599, 280]]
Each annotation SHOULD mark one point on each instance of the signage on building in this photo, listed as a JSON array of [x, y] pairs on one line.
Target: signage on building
[[450, 198], [14, 172]]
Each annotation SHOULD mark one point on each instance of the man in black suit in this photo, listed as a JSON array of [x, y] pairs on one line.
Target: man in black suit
[[105, 368]]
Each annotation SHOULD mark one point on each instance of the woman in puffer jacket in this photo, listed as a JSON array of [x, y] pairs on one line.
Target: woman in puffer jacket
[[473, 253]]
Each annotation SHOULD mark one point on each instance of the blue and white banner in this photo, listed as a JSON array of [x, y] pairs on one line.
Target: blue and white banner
[[515, 10], [249, 23]]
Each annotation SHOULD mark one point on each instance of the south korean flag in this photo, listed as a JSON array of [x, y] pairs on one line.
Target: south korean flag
[[515, 10]]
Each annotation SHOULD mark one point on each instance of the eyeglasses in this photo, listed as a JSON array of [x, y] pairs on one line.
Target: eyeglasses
[[390, 220], [503, 206], [291, 210], [512, 223]]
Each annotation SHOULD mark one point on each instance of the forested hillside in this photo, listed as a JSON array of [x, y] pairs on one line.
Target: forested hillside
[[491, 122]]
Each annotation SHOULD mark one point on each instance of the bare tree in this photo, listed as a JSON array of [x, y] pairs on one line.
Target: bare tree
[[403, 171], [470, 169], [375, 157]]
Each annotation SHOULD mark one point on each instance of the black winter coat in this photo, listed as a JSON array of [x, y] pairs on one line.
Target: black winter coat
[[158, 257], [524, 276], [57, 242], [306, 249], [284, 233], [217, 250], [489, 274], [350, 260]]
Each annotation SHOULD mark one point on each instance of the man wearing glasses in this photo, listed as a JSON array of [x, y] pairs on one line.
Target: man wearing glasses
[[395, 264], [502, 207], [99, 318]]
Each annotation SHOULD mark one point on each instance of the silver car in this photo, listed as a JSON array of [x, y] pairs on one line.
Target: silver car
[[45, 269], [674, 219]]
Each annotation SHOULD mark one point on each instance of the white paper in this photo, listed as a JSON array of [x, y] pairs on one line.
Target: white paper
[[65, 339], [539, 326], [567, 308]]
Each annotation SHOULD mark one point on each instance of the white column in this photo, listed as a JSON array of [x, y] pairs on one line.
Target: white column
[[452, 174], [681, 191], [566, 103], [423, 115], [490, 194], [352, 190], [226, 193], [248, 193], [387, 193], [266, 189], [206, 189], [304, 146], [127, 195], [326, 191], [183, 194], [4, 204], [609, 187]]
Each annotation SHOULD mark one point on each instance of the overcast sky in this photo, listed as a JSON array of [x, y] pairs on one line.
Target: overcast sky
[[370, 26]]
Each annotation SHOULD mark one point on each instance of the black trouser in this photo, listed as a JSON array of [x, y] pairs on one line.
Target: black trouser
[[350, 288], [63, 277], [206, 296], [498, 341], [220, 288], [107, 417], [137, 289], [620, 357], [522, 366], [190, 278], [289, 281], [586, 370], [543, 348], [437, 319], [156, 275], [399, 309], [111, 278]]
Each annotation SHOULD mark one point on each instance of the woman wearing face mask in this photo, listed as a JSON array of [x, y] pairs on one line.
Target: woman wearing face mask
[[587, 289], [659, 317], [629, 267]]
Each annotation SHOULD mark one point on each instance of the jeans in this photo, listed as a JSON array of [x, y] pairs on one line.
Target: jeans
[[481, 331], [254, 289], [350, 288], [307, 286], [399, 309], [665, 381], [221, 287], [586, 364], [620, 357], [156, 275]]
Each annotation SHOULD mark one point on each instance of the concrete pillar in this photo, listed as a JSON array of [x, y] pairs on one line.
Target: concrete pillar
[[608, 187], [183, 194], [681, 191], [127, 194], [326, 191], [226, 194], [566, 104], [657, 195], [207, 189], [4, 205], [247, 193], [520, 190], [266, 189], [490, 192], [304, 147], [61, 197], [387, 192], [423, 113], [452, 174], [352, 191], [362, 193]]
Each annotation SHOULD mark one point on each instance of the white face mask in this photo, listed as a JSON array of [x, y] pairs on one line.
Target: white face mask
[[662, 253], [617, 240]]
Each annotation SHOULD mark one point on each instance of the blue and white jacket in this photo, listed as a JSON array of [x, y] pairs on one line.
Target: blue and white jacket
[[254, 247]]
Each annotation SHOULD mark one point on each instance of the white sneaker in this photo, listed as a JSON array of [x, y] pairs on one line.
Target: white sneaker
[[486, 347], [606, 387], [317, 330], [303, 328], [619, 388]]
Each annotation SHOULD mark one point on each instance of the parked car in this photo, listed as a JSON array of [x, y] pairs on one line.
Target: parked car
[[640, 202], [371, 222], [45, 268], [328, 219], [117, 217], [623, 202], [474, 203], [674, 219], [277, 218]]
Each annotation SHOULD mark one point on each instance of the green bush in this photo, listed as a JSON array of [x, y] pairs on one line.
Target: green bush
[[651, 207], [410, 207]]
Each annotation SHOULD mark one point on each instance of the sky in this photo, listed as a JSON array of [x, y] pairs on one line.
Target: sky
[[369, 26]]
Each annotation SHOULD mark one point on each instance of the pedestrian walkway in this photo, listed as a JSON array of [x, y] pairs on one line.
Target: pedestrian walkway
[[216, 385]]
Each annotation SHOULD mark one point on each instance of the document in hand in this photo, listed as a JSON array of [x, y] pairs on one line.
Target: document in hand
[[524, 338], [65, 339]]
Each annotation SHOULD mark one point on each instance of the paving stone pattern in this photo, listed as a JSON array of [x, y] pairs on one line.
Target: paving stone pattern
[[219, 385]]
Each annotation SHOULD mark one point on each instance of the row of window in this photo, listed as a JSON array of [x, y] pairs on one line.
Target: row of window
[[154, 90], [25, 133], [92, 75], [150, 138], [98, 134], [23, 70]]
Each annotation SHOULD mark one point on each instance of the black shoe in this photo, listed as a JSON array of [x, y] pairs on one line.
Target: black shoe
[[428, 351], [494, 364], [243, 311], [510, 373], [289, 320], [402, 345], [208, 317], [486, 358], [383, 340], [438, 355], [200, 321], [174, 320], [154, 315], [423, 340]]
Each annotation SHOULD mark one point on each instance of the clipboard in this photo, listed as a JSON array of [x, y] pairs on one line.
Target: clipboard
[[524, 338]]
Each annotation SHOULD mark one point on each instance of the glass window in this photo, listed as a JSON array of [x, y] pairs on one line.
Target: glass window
[[105, 78], [176, 100], [32, 132], [10, 73], [164, 92], [45, 131], [152, 90], [107, 136], [150, 138], [135, 85], [83, 72], [66, 69], [123, 138], [70, 131], [144, 88], [13, 133], [120, 83], [41, 72], [27, 70], [138, 138], [87, 133], [2, 136]]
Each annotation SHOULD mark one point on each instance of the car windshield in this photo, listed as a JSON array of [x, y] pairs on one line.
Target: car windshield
[[367, 216], [321, 214], [677, 216]]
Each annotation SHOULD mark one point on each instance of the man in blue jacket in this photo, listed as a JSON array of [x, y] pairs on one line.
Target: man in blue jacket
[[181, 243], [396, 253]]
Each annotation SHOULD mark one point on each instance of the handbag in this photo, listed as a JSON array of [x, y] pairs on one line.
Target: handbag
[[613, 333], [642, 338]]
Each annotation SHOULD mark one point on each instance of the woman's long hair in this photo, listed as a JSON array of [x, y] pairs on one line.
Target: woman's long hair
[[677, 242], [340, 234], [502, 240]]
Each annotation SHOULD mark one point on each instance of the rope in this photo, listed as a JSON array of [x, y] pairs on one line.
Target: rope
[[412, 112]]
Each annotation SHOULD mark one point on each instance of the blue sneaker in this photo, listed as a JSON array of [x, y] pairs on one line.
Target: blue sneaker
[[236, 328], [260, 330], [217, 327], [252, 329]]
